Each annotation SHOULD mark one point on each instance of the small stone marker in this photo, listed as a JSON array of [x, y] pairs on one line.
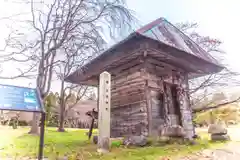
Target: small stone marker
[[104, 112], [218, 132], [95, 139]]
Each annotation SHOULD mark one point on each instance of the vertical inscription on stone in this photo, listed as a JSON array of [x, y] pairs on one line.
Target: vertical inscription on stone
[[104, 112]]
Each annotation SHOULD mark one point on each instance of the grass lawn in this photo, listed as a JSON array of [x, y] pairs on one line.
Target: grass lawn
[[17, 143]]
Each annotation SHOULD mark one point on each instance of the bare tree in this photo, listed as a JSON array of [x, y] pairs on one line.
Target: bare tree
[[68, 102], [76, 53], [203, 87], [53, 25]]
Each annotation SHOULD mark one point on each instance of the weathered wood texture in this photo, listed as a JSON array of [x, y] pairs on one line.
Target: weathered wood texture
[[169, 96], [157, 111], [148, 94], [186, 110], [128, 103]]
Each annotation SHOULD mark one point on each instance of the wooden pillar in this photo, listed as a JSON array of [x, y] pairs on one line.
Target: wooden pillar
[[186, 110], [104, 112], [149, 109]]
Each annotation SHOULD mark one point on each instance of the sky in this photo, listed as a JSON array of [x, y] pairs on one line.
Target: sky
[[216, 18]]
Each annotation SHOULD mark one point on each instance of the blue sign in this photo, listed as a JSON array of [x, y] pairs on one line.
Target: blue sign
[[19, 99]]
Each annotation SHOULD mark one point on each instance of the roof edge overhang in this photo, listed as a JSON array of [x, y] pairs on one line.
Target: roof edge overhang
[[103, 55], [109, 52], [178, 53]]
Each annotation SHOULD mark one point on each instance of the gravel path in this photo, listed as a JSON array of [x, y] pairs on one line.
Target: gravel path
[[230, 151]]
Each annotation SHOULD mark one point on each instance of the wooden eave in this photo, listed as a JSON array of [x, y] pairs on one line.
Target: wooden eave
[[130, 49], [183, 60]]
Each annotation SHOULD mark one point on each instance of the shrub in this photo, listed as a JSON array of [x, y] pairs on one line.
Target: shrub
[[116, 144]]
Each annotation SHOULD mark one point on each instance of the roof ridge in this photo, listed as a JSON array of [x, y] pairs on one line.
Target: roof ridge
[[205, 52], [150, 25], [199, 51]]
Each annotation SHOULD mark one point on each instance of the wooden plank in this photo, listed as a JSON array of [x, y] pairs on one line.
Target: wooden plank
[[105, 61], [161, 64], [138, 85], [179, 62], [132, 118], [127, 82], [129, 125], [125, 113], [127, 75], [128, 100], [127, 66], [124, 105], [130, 107], [132, 98], [129, 92]]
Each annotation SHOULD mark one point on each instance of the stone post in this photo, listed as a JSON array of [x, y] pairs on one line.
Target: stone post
[[104, 102]]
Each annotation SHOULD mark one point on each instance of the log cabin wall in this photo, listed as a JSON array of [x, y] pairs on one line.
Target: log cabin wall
[[139, 88], [128, 103], [168, 101]]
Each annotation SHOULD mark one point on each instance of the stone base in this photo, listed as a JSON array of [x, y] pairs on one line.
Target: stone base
[[138, 141], [174, 131], [102, 151], [218, 137], [217, 129]]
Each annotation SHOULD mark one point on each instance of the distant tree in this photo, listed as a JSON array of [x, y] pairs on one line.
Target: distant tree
[[200, 88], [225, 114], [92, 96], [68, 101], [55, 25]]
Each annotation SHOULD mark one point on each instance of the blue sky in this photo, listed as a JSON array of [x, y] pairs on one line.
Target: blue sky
[[216, 18]]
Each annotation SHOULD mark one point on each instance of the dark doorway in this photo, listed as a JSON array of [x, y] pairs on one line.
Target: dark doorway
[[175, 101], [157, 110], [160, 98]]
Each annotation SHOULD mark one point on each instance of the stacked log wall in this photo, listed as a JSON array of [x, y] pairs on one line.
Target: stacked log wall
[[134, 91], [128, 104]]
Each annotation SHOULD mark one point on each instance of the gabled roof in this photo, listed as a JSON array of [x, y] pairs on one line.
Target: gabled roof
[[160, 31], [165, 32]]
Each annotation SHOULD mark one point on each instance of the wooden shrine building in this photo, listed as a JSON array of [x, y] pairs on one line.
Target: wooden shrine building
[[150, 70]]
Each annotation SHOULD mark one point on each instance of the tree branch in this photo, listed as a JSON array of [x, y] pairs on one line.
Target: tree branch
[[215, 106]]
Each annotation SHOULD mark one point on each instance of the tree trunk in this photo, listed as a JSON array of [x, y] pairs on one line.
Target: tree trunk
[[62, 109], [35, 124], [61, 122]]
